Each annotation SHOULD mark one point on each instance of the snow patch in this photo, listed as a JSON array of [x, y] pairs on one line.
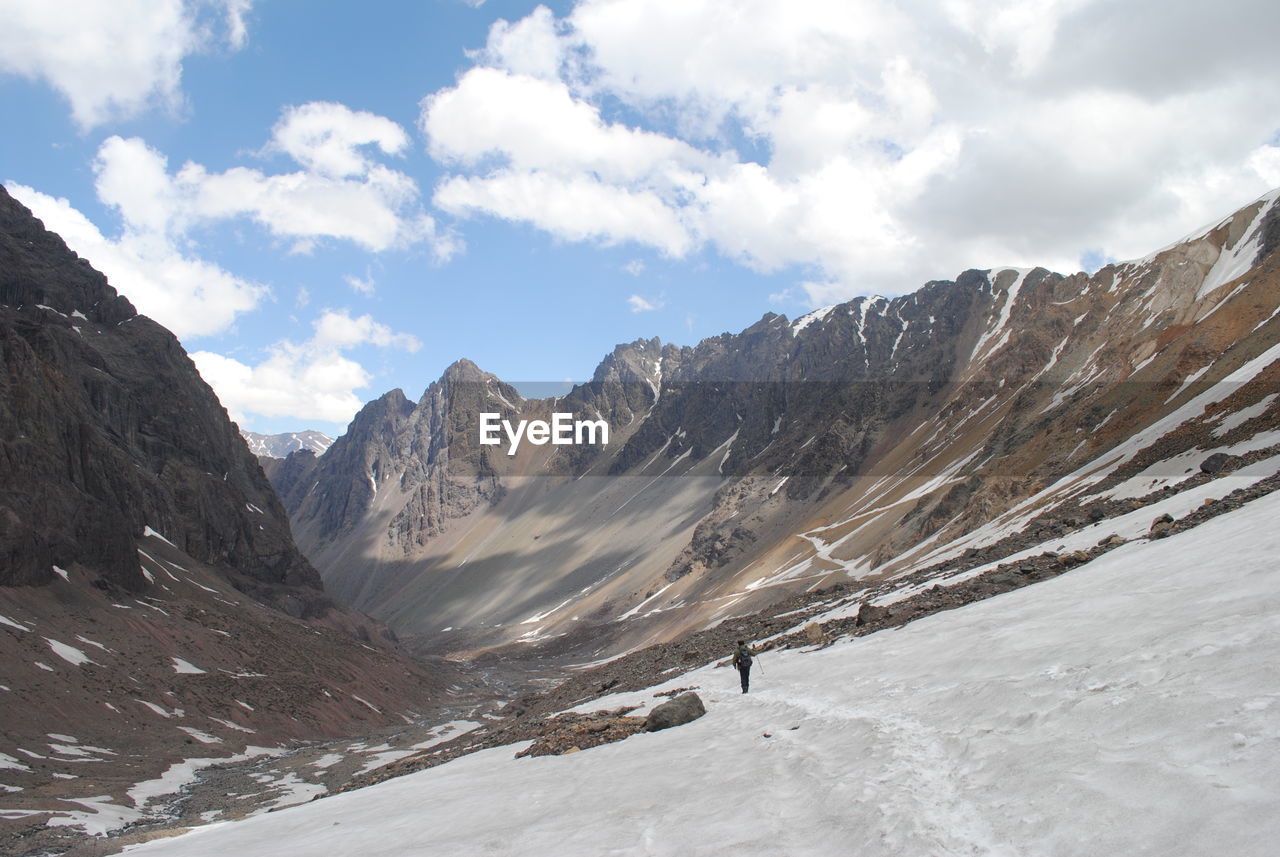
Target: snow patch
[[70, 654], [5, 620]]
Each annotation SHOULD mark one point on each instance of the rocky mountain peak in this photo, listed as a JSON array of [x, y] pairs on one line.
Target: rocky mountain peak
[[834, 446], [107, 429]]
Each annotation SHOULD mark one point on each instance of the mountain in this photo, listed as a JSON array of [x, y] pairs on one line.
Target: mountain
[[280, 445], [853, 443], [153, 605]]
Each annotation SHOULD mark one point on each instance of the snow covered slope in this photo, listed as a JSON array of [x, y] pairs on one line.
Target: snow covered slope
[[280, 445], [1129, 706]]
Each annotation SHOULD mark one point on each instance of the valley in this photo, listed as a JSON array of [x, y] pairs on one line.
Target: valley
[[803, 484]]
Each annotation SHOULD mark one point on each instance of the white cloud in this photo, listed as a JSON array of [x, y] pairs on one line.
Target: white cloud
[[113, 60], [1265, 161], [189, 296], [365, 286], [639, 304], [870, 144], [534, 124], [529, 47], [237, 30], [338, 330], [577, 208], [341, 192], [326, 138], [635, 267], [313, 380]]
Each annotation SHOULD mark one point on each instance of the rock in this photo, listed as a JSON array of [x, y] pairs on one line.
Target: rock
[[815, 634], [685, 708], [1214, 463], [107, 428], [1163, 519], [869, 613]]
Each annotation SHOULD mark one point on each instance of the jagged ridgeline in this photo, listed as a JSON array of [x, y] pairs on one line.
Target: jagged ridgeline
[[107, 429], [853, 443]]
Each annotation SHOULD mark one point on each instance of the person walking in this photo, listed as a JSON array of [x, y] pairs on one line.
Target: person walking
[[742, 660]]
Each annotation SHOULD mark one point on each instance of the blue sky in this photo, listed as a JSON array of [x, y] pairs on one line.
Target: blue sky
[[328, 200]]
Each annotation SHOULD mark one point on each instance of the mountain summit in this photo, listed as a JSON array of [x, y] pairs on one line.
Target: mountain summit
[[853, 445]]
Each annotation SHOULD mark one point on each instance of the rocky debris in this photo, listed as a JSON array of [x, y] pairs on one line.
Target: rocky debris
[[574, 732], [1078, 557], [816, 634], [684, 708]]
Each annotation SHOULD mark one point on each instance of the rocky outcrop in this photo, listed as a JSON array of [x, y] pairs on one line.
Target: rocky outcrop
[[106, 429], [685, 708]]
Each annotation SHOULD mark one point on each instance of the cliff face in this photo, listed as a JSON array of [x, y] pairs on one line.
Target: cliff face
[[106, 428], [849, 443], [152, 601]]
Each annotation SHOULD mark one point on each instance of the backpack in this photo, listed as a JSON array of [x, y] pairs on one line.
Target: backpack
[[742, 657]]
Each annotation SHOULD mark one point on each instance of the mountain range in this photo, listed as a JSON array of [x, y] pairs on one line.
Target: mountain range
[[861, 443], [280, 445], [174, 596]]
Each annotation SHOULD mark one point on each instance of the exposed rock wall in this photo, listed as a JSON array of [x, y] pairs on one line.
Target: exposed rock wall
[[106, 428]]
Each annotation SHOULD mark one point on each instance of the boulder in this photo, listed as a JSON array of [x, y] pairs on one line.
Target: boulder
[[1214, 463], [683, 709]]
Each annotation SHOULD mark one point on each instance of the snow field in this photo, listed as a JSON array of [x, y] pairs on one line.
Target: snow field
[[1129, 706]]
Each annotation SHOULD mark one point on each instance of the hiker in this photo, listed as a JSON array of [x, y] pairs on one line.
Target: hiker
[[742, 660]]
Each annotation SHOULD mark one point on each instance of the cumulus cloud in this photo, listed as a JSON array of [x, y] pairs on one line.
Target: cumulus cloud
[[314, 379], [327, 138], [114, 60], [341, 193], [530, 46], [869, 144]]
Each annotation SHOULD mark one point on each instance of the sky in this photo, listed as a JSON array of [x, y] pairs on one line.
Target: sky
[[325, 200]]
